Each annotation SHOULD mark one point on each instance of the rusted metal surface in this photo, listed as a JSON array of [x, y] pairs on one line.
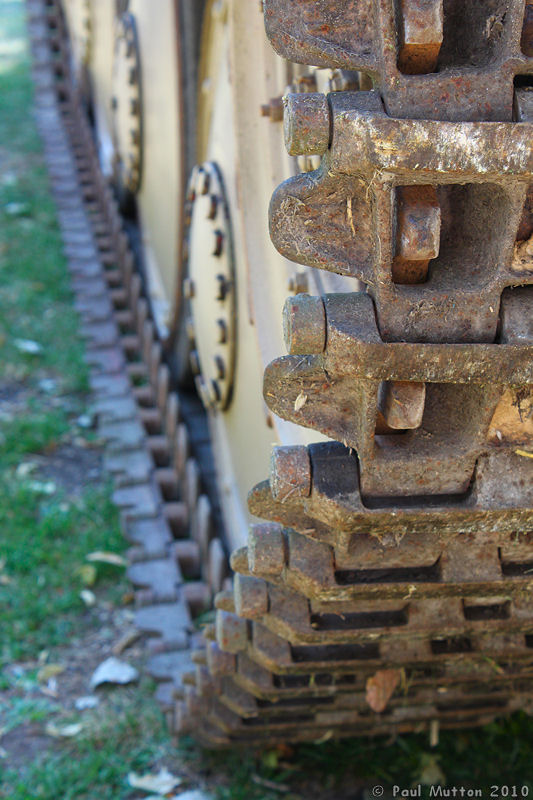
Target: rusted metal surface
[[420, 35], [418, 226], [477, 62], [338, 393], [343, 217]]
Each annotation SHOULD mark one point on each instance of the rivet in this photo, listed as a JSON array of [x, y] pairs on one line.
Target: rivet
[[220, 367], [213, 208], [307, 121], [222, 331], [194, 361], [304, 324], [290, 472], [189, 289], [219, 243], [222, 287]]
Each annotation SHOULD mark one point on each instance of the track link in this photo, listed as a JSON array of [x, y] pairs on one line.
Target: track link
[[390, 589]]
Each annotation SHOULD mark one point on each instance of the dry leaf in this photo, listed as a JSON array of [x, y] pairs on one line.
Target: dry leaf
[[63, 731], [28, 346], [89, 701], [107, 558], [113, 671], [300, 401], [15, 209], [163, 782], [42, 487], [50, 690], [49, 671], [125, 641], [380, 688], [24, 468], [524, 453], [430, 771], [88, 597], [87, 573]]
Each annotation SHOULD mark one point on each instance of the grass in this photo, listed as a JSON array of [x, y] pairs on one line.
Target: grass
[[44, 555], [46, 537], [127, 734]]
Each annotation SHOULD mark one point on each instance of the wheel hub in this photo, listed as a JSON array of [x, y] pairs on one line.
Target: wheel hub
[[210, 287]]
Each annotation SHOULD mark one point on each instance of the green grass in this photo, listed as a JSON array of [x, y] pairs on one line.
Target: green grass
[[35, 298], [46, 546], [44, 539], [127, 734]]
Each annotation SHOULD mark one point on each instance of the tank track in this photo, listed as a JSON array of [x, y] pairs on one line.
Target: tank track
[[389, 590], [156, 442]]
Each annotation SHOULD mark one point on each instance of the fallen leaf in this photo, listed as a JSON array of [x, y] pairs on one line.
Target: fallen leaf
[[277, 787], [28, 346], [63, 731], [270, 759], [17, 209], [42, 487], [380, 688], [49, 671], [430, 771], [125, 641], [107, 558], [524, 453], [163, 782], [47, 385], [50, 690], [24, 468], [88, 597], [300, 401], [113, 671], [88, 701], [87, 573]]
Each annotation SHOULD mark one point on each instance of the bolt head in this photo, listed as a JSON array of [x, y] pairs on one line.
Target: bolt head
[[251, 596], [203, 181], [304, 325], [290, 472], [232, 632], [220, 367], [194, 361], [266, 549], [213, 208], [307, 122], [222, 331], [189, 289], [218, 244]]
